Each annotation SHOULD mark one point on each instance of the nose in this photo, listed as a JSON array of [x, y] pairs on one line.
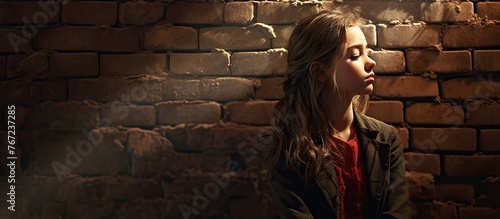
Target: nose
[[370, 65]]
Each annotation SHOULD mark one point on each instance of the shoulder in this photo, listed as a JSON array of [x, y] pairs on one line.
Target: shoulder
[[374, 124], [384, 131]]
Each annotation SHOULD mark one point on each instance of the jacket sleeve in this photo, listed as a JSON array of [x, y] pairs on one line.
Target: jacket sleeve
[[290, 205], [397, 204]]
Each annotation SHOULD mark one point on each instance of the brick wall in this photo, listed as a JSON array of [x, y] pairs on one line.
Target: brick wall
[[150, 109]]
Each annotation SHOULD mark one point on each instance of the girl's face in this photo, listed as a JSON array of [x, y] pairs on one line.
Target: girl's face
[[355, 71]]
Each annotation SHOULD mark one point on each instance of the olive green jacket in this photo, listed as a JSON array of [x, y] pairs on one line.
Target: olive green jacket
[[387, 193]]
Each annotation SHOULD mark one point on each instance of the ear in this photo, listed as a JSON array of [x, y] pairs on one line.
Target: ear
[[317, 71]]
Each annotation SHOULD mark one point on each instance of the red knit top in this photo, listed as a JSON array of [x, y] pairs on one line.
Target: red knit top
[[351, 180]]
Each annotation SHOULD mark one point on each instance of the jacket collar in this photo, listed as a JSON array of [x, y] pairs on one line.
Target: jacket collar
[[373, 144]]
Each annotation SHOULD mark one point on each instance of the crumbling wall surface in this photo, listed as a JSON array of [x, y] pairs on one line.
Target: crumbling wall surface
[[152, 109]]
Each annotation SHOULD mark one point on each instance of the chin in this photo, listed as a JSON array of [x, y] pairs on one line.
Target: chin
[[368, 90]]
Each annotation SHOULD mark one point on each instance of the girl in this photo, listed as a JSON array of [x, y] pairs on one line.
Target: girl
[[327, 159]]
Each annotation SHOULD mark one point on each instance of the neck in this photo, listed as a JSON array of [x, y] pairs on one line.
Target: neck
[[342, 117]]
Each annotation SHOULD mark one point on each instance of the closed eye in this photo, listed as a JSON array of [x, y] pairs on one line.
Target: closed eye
[[354, 58]]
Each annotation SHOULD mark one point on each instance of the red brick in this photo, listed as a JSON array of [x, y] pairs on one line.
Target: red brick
[[284, 12], [117, 188], [74, 64], [135, 64], [253, 37], [437, 12], [488, 188], [238, 12], [170, 38], [482, 114], [471, 165], [405, 136], [253, 207], [140, 13], [270, 88], [461, 193], [202, 137], [370, 33], [486, 60], [432, 113], [434, 210], [464, 88], [92, 209], [180, 200], [177, 112], [182, 162], [464, 36], [101, 153], [383, 11], [22, 208], [46, 209], [136, 208], [35, 65], [3, 67], [420, 185], [184, 185], [102, 39], [215, 63], [282, 36], [13, 61], [195, 13], [240, 151], [401, 36], [27, 93], [71, 115], [489, 140], [189, 137], [405, 87], [81, 12], [389, 62], [126, 114], [31, 184], [220, 89], [478, 212], [149, 151], [386, 111], [139, 90], [488, 9], [446, 62], [14, 40], [448, 139], [423, 163], [250, 112], [22, 12], [270, 62]]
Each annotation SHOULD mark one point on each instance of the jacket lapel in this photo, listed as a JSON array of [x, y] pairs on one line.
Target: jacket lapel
[[376, 153]]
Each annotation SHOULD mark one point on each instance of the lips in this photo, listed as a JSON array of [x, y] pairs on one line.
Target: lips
[[371, 76]]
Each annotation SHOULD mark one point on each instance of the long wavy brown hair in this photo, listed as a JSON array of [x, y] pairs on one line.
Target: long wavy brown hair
[[301, 125]]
